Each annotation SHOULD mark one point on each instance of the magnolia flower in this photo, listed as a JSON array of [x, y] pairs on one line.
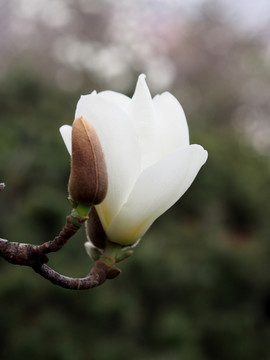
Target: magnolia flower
[[150, 163]]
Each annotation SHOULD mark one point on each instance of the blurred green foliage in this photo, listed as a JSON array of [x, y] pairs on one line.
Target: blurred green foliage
[[198, 285]]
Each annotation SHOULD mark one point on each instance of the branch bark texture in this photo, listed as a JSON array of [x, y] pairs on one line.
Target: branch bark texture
[[35, 256]]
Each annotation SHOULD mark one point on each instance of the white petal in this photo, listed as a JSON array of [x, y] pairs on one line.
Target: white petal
[[141, 112], [156, 190], [65, 131], [171, 123], [121, 151], [115, 98]]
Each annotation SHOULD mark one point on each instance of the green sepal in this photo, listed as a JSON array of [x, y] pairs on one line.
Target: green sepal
[[81, 211], [108, 259], [115, 252], [124, 254]]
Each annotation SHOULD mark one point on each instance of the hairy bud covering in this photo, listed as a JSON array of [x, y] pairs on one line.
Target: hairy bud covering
[[95, 231], [88, 180]]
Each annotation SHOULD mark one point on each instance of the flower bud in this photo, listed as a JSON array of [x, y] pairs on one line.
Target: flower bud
[[94, 230], [88, 180]]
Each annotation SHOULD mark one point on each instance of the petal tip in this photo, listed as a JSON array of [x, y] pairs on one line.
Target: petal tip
[[204, 154], [142, 89], [142, 76], [141, 82], [65, 132]]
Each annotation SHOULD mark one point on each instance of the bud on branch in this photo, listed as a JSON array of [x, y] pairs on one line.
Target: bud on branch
[[88, 180]]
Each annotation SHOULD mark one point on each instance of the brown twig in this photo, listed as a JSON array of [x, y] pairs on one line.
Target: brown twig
[[72, 225], [96, 277], [35, 257]]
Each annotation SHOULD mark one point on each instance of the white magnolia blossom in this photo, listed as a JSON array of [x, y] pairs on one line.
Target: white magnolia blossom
[[149, 160]]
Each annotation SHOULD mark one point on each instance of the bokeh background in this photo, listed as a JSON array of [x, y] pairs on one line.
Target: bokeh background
[[198, 285]]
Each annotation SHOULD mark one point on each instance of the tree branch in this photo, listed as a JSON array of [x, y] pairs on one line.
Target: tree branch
[[96, 277], [35, 257]]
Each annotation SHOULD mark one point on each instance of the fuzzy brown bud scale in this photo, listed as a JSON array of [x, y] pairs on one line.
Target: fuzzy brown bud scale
[[95, 231], [88, 180]]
